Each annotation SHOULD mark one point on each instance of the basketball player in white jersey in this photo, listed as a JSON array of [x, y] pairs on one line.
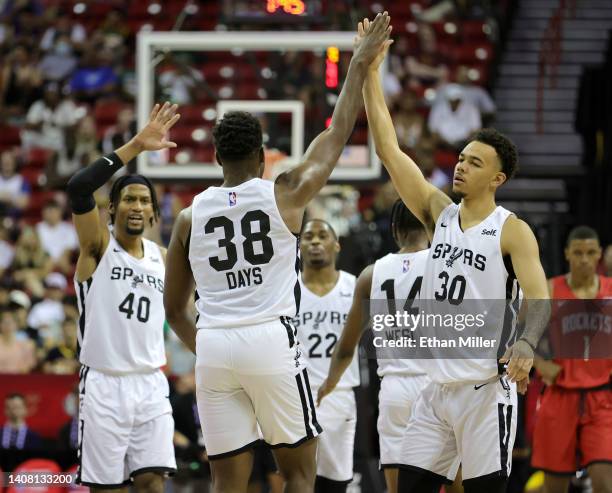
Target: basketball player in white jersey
[[396, 276], [478, 252], [326, 299], [125, 419], [239, 242]]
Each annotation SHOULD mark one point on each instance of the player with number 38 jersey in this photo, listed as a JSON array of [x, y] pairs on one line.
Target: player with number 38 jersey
[[236, 246]]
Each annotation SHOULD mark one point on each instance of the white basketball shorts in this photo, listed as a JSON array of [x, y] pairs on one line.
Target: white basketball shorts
[[396, 398], [475, 423], [253, 375], [337, 414], [125, 427]]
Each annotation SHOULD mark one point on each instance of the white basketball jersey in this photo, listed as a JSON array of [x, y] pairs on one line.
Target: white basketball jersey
[[468, 265], [398, 276], [319, 324], [243, 257], [122, 311]]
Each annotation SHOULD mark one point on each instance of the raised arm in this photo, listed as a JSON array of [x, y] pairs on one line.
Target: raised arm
[[518, 241], [423, 199], [351, 334], [296, 187], [94, 236], [179, 283]]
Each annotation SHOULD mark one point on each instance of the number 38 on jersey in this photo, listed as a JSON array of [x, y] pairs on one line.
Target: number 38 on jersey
[[252, 239]]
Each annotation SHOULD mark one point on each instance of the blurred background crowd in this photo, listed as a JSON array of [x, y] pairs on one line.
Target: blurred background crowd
[[67, 89]]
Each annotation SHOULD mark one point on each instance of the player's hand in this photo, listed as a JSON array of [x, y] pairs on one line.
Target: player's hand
[[325, 389], [549, 371], [364, 27], [371, 37], [519, 357], [522, 385], [153, 137]]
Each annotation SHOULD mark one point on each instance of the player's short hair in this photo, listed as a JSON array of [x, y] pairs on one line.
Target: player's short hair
[[331, 228], [504, 147], [403, 222], [582, 233], [237, 135], [124, 181]]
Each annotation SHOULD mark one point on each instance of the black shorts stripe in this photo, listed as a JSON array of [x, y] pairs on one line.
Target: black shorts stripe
[[315, 423], [300, 386], [82, 307], [290, 330], [82, 380], [297, 290], [505, 422]]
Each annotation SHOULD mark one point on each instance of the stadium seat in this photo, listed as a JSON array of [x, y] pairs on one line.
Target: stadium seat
[[106, 112], [37, 158], [9, 136], [36, 466], [445, 159]]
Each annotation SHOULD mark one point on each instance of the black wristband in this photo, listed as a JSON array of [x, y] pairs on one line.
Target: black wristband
[[85, 182]]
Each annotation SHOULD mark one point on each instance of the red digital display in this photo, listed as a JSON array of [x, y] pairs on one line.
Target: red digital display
[[331, 67], [293, 7]]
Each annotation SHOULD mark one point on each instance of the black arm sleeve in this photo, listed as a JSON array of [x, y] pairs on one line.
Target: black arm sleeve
[[85, 182]]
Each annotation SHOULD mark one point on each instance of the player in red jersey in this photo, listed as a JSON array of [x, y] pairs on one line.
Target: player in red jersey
[[574, 421]]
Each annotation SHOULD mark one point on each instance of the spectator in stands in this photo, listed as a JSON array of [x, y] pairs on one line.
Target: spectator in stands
[[15, 433], [425, 68], [95, 77], [59, 62], [14, 189], [69, 433], [31, 263], [48, 120], [17, 354], [607, 260], [20, 82], [424, 158], [5, 291], [453, 118], [408, 122], [27, 19], [114, 31], [81, 148], [180, 83], [476, 95], [61, 359], [7, 251], [47, 315], [121, 132], [19, 303], [64, 28], [57, 237]]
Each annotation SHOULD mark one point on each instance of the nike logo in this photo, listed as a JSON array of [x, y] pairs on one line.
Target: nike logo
[[116, 250], [156, 260], [443, 225], [346, 295], [476, 387], [110, 163]]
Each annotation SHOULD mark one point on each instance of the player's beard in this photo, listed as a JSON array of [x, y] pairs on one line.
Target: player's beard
[[134, 231]]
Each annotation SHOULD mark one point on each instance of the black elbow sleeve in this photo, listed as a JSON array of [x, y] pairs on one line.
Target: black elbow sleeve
[[85, 182]]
